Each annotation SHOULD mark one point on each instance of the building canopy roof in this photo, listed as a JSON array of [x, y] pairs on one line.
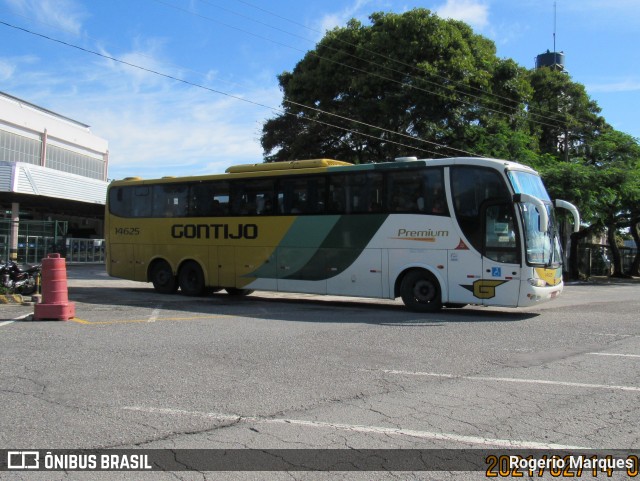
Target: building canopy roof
[[21, 178]]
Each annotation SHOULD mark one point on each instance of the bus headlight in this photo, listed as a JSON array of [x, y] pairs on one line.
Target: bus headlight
[[537, 282]]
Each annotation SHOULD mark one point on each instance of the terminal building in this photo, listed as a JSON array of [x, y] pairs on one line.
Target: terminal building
[[53, 183]]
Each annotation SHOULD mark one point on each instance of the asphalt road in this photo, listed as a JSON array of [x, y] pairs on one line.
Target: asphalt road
[[136, 369]]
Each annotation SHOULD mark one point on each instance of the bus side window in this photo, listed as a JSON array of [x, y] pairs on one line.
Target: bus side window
[[120, 201], [141, 202], [407, 192], [209, 199], [170, 200], [301, 195], [220, 202], [366, 192], [337, 195], [470, 187], [357, 192], [200, 199], [315, 188], [252, 197], [436, 200]]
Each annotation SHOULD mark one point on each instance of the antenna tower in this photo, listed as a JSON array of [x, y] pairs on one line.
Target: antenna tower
[[555, 59]]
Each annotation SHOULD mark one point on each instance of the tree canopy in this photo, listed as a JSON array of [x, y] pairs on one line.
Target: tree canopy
[[407, 84]]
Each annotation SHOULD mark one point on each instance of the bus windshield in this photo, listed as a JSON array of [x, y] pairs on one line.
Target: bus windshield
[[543, 248]]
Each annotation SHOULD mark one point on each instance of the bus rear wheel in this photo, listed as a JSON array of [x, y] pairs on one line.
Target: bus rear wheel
[[163, 279], [420, 291], [191, 279]]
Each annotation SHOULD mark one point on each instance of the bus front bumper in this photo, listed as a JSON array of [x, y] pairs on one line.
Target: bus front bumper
[[532, 295]]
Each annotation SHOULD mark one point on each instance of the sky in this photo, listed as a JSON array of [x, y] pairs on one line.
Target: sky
[[216, 64]]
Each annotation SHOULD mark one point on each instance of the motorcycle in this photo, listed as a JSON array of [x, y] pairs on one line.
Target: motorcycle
[[18, 280]]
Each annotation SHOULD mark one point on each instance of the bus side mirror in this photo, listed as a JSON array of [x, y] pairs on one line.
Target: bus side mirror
[[563, 204], [542, 209]]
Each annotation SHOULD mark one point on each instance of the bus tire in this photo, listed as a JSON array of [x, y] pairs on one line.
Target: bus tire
[[234, 291], [191, 279], [420, 291], [162, 278]]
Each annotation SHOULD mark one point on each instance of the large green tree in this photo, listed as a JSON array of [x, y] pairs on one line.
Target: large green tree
[[616, 157], [583, 159], [605, 185], [408, 84], [563, 117]]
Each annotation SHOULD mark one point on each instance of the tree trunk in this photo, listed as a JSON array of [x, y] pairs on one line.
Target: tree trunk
[[574, 266], [635, 232], [616, 260]]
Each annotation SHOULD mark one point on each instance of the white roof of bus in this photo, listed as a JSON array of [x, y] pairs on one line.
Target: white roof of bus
[[481, 161]]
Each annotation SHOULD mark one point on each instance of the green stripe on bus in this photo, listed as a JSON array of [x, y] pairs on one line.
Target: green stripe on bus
[[341, 247], [299, 244], [309, 231]]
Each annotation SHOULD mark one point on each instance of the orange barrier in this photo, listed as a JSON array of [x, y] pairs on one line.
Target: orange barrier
[[55, 295]]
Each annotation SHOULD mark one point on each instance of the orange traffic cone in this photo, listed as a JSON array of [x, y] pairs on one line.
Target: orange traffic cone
[[55, 295]]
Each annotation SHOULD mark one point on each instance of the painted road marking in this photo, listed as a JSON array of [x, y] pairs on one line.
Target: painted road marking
[[608, 334], [11, 321], [506, 443], [613, 354], [133, 321], [509, 379], [154, 314]]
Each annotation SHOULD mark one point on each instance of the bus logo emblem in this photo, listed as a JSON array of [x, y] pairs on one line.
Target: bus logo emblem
[[484, 288]]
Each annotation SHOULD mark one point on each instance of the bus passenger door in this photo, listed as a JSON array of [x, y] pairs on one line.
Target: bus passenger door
[[464, 267], [501, 256]]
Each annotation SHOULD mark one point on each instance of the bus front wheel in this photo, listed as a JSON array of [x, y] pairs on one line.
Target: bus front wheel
[[191, 279], [163, 279], [420, 291]]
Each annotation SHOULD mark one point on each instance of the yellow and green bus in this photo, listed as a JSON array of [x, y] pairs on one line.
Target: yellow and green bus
[[449, 232]]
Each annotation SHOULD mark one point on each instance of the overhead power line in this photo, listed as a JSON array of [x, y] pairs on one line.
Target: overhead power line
[[221, 92], [550, 116], [361, 70]]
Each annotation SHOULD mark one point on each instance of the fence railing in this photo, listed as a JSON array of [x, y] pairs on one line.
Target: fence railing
[[33, 248], [595, 259], [35, 239], [84, 250]]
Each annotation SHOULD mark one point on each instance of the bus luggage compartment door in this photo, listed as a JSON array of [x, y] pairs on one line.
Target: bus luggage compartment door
[[255, 268], [301, 269], [354, 272], [121, 261]]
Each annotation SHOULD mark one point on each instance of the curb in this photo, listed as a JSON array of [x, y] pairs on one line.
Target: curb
[[11, 299], [604, 281]]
